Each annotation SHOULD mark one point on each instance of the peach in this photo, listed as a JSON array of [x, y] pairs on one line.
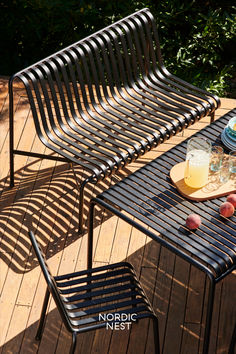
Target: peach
[[193, 221], [232, 199], [226, 209]]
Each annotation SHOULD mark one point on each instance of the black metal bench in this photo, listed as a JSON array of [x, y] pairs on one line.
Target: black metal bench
[[107, 99]]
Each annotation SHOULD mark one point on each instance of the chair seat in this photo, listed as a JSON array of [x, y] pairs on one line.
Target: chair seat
[[97, 296]]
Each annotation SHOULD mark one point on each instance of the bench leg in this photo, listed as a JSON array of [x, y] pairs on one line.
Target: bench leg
[[212, 115]]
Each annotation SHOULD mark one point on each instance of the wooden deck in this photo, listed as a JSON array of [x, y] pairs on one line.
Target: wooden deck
[[46, 191]]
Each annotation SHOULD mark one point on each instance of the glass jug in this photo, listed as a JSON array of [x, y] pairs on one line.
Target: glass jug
[[197, 162]]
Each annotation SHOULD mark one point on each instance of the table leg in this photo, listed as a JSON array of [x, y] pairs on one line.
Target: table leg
[[210, 302]]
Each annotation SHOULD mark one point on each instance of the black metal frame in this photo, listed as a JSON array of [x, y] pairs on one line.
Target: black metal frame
[[128, 101], [149, 196], [81, 296]]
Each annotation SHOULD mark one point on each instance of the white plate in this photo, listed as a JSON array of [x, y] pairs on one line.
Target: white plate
[[228, 142], [229, 136]]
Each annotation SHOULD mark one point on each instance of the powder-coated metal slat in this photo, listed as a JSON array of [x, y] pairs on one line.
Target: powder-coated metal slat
[[95, 285], [179, 214], [96, 293], [91, 320], [70, 282], [169, 194], [99, 301], [169, 228]]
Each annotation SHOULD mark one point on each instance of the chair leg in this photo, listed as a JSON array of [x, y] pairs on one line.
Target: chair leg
[[156, 335], [81, 210], [11, 133], [90, 235], [73, 343], [12, 182], [42, 317]]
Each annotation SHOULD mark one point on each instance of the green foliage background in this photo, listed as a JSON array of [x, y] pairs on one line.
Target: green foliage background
[[198, 37]]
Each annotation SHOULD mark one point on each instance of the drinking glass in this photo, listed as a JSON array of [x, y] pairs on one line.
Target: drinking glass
[[217, 154], [225, 171], [197, 162], [232, 159]]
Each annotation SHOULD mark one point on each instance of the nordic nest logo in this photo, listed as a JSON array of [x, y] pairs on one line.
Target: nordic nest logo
[[118, 321]]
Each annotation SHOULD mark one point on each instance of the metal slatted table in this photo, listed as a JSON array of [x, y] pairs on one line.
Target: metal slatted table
[[147, 196]]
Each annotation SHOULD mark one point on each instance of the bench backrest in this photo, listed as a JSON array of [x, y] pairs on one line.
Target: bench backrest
[[75, 78]]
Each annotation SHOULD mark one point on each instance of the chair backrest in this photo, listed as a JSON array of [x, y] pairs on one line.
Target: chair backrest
[[51, 283]]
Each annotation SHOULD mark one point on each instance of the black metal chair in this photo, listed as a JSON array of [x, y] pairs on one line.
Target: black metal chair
[[106, 100], [95, 298]]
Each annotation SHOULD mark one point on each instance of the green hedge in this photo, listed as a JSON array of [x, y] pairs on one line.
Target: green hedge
[[198, 38]]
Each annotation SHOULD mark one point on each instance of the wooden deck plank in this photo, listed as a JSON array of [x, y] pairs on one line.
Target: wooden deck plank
[[57, 238], [3, 93], [162, 296], [194, 309], [20, 251], [29, 344], [21, 112], [8, 300], [149, 273], [141, 335], [227, 314], [9, 240], [121, 241], [48, 191], [136, 249], [190, 338], [14, 339], [176, 311], [26, 295], [105, 239]]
